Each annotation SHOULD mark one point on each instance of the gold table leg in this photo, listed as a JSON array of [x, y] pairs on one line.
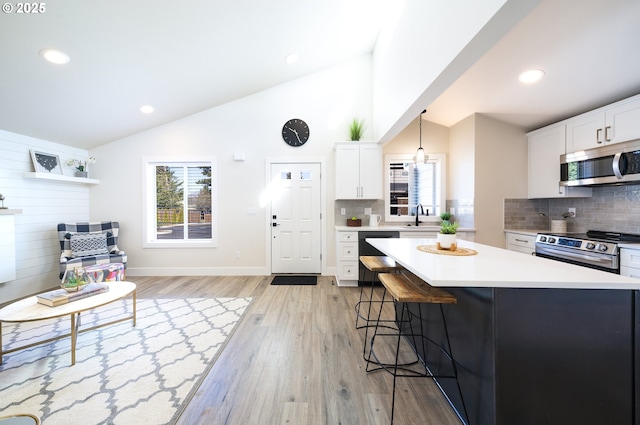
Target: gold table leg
[[134, 310], [74, 337]]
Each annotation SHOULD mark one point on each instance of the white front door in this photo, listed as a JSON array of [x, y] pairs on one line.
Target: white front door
[[296, 219]]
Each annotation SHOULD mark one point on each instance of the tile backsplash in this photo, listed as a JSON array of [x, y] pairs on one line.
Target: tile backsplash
[[356, 208], [463, 207], [612, 208]]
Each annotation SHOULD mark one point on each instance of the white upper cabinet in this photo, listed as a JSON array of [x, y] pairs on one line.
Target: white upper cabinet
[[358, 170], [615, 123], [623, 121], [544, 150], [585, 131]]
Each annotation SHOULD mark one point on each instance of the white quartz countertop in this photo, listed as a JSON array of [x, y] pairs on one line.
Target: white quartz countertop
[[398, 228], [495, 268], [531, 232]]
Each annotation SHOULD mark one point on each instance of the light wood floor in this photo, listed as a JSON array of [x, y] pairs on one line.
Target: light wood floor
[[296, 359]]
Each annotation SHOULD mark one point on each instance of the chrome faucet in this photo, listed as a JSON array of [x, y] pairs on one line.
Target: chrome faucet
[[418, 214]]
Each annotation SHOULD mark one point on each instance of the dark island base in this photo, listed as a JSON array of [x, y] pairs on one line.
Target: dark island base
[[541, 356]]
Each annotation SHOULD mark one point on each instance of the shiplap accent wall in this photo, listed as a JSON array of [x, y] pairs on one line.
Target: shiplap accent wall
[[44, 204]]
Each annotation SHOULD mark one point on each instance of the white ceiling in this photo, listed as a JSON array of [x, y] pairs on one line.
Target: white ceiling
[[185, 57], [181, 57], [589, 49]]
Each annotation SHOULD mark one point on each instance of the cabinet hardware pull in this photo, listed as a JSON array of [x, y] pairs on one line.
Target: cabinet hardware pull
[[606, 133], [522, 240], [598, 132]]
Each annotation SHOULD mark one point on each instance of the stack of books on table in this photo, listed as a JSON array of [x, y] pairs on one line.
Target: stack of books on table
[[60, 296]]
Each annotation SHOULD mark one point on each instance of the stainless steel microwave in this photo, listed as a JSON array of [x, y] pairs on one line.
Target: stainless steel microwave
[[618, 163]]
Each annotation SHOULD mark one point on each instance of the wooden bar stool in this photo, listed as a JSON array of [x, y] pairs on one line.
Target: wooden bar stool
[[405, 288], [375, 265]]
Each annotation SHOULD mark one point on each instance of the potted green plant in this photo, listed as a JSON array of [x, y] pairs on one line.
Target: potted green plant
[[447, 235], [356, 129], [81, 165], [74, 280]]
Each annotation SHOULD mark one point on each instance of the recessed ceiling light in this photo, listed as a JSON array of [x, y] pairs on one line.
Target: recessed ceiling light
[[146, 109], [292, 58], [55, 56], [531, 76]]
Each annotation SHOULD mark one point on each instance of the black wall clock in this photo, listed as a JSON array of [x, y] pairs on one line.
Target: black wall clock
[[295, 132]]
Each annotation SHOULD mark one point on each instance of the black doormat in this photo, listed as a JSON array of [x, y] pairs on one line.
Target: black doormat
[[295, 280]]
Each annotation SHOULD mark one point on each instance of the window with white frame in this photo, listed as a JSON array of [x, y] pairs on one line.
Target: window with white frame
[[408, 185], [180, 203]]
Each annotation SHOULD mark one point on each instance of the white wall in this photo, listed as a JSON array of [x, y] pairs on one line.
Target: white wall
[[461, 170], [44, 204], [427, 47], [487, 163], [500, 172], [326, 101]]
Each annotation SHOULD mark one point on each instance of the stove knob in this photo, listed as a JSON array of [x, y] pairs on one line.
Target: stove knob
[[590, 245], [552, 240], [601, 248], [543, 238]]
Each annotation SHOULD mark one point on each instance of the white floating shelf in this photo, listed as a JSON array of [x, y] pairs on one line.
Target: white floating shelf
[[10, 211], [60, 178]]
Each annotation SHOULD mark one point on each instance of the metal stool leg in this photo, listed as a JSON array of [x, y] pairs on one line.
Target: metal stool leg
[[379, 322], [359, 303], [375, 332]]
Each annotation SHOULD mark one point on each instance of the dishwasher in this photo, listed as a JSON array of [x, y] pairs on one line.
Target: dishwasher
[[365, 249]]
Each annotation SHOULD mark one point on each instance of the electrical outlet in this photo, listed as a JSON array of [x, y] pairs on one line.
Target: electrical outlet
[[343, 211], [452, 210], [237, 254], [572, 210]]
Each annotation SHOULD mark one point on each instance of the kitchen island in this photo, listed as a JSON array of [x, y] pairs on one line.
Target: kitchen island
[[536, 341]]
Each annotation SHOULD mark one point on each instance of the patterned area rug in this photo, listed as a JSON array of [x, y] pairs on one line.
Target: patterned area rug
[[123, 375]]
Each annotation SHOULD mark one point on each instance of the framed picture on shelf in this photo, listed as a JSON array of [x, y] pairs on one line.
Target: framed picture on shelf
[[44, 162]]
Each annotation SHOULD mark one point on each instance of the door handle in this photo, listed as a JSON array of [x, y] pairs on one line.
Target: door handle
[[275, 224]]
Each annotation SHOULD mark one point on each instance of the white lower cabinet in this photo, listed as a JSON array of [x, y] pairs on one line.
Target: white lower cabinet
[[348, 260], [521, 242], [630, 262]]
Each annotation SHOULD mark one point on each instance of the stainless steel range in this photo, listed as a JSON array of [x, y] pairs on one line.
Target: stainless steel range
[[595, 249]]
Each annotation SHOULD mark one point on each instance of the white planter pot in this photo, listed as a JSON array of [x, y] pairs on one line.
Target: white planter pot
[[447, 241]]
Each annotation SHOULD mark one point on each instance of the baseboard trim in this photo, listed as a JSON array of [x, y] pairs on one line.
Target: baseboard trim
[[196, 271], [207, 271]]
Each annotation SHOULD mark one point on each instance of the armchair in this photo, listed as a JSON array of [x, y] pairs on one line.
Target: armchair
[[88, 243]]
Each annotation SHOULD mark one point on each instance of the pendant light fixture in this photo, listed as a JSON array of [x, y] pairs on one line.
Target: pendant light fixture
[[421, 157]]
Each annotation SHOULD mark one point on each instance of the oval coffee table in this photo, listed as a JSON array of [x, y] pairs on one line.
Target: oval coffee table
[[29, 310]]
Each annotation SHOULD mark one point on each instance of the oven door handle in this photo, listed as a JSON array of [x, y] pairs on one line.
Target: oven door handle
[[592, 258]]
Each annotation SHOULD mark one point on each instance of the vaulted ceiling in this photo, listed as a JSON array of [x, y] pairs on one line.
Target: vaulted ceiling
[[185, 57]]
